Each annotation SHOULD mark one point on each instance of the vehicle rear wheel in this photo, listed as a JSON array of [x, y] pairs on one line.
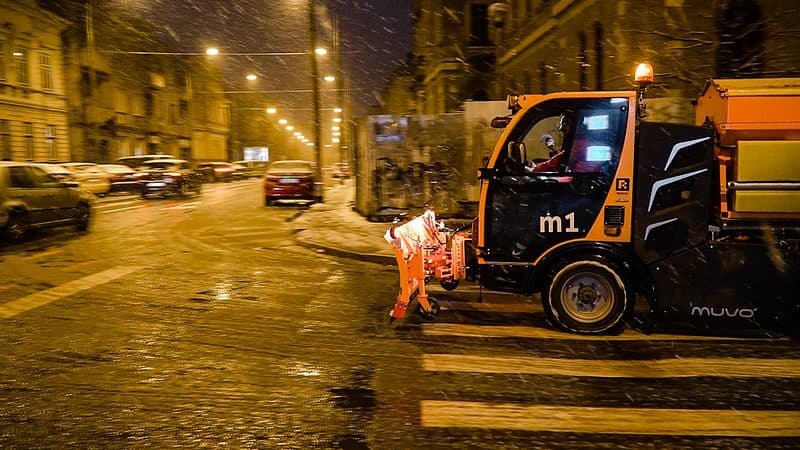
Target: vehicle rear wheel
[[16, 227], [82, 217], [448, 284], [184, 188], [587, 296]]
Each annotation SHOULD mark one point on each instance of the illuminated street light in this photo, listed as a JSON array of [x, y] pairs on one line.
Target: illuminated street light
[[337, 119], [310, 144], [251, 77], [212, 51], [320, 51], [283, 121], [329, 78], [336, 134], [335, 128], [335, 140], [289, 128], [271, 110], [337, 110]]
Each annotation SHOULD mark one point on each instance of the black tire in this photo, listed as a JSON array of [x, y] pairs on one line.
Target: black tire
[[185, 189], [431, 315], [587, 296], [82, 217], [449, 284], [16, 228], [267, 201]]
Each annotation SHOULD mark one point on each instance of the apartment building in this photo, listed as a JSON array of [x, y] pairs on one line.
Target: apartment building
[[477, 49], [33, 107]]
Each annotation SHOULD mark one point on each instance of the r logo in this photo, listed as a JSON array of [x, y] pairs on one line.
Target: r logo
[[623, 184]]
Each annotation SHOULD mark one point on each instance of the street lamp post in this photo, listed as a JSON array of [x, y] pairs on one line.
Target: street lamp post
[[312, 29]]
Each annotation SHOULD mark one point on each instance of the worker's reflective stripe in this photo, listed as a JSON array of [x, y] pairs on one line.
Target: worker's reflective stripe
[[21, 305], [446, 329], [609, 368], [646, 421]]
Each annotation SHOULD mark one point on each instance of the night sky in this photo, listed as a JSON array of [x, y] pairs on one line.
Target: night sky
[[376, 36]]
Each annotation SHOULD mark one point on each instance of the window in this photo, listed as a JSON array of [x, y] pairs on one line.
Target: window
[[5, 140], [184, 109], [598, 56], [28, 135], [148, 104], [21, 54], [583, 68], [50, 139], [46, 72], [479, 26], [592, 142], [2, 60], [172, 113]]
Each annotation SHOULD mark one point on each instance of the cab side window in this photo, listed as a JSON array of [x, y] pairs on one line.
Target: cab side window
[[599, 135]]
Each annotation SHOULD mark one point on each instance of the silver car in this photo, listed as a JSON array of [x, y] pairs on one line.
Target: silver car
[[31, 198]]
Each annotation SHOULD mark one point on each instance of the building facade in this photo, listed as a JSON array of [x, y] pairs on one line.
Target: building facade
[[33, 106], [474, 49], [125, 101]]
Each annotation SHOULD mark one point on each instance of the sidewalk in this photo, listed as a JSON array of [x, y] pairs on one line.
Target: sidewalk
[[334, 227]]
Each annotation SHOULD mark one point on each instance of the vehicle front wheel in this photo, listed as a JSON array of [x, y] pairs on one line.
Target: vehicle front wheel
[[587, 296], [82, 217], [16, 228]]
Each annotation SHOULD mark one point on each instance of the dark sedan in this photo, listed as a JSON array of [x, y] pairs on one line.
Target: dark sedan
[[165, 177], [289, 180]]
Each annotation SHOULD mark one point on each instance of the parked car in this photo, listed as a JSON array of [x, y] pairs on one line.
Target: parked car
[[291, 179], [60, 172], [32, 198], [123, 178], [136, 161], [253, 168], [163, 177], [90, 177], [216, 171]]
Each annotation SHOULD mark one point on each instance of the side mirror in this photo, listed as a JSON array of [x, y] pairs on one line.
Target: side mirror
[[501, 122]]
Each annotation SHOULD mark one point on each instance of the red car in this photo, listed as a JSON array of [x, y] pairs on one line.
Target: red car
[[289, 180]]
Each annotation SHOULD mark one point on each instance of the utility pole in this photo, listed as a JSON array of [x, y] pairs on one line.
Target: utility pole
[[312, 30]]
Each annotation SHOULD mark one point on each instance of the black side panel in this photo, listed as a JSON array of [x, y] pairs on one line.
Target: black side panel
[[672, 197], [748, 282]]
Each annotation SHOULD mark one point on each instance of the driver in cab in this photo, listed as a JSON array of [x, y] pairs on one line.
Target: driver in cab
[[559, 161]]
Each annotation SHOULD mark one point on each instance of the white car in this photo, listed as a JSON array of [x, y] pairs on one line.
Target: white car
[[90, 177]]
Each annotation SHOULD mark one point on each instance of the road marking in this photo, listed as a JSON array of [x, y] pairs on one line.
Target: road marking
[[500, 331], [605, 368], [491, 307], [54, 251], [182, 206], [21, 305], [122, 209], [645, 421], [113, 204]]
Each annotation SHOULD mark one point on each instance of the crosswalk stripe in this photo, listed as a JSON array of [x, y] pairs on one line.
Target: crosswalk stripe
[[642, 421], [655, 368], [21, 305], [502, 331]]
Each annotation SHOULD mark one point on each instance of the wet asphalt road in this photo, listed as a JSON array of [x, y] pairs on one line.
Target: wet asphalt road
[[200, 323]]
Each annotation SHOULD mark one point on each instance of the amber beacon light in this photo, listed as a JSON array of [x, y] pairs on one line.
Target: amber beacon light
[[643, 74]]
